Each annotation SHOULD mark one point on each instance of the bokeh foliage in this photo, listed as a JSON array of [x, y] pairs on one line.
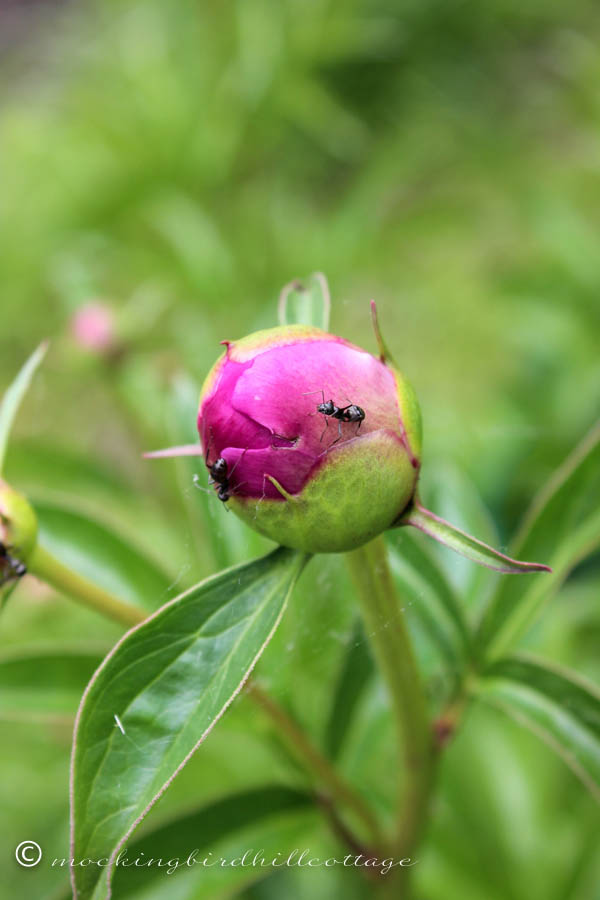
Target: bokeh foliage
[[181, 161]]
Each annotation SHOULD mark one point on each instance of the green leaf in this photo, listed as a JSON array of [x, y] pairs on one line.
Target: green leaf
[[555, 704], [356, 671], [306, 302], [562, 527], [422, 583], [101, 554], [62, 472], [206, 828], [168, 681], [274, 839], [13, 396], [45, 682], [463, 543]]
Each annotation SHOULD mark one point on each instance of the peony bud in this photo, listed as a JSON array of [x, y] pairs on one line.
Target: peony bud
[[93, 327], [317, 441], [317, 444], [18, 533]]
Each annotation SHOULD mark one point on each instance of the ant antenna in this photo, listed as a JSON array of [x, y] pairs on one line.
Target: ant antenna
[[321, 392], [237, 462]]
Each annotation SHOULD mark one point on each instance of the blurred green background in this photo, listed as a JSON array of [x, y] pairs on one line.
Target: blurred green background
[[178, 163]]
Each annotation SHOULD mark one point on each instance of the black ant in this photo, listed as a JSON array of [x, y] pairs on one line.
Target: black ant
[[220, 475], [9, 566], [350, 413]]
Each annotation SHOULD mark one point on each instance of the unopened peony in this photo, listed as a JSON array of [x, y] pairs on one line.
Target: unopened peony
[[303, 478]]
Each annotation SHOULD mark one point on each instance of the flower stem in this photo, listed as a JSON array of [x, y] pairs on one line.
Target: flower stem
[[45, 566], [391, 644], [313, 760]]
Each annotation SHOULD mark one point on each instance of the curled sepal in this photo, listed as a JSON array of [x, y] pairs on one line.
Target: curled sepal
[[306, 302], [461, 542], [384, 354]]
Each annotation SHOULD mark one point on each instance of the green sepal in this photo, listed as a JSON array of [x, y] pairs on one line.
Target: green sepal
[[461, 542]]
